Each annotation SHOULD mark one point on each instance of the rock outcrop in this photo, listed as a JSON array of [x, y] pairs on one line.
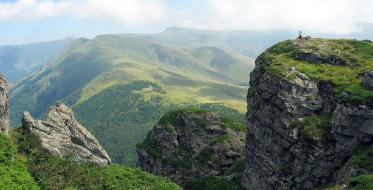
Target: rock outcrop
[[189, 144], [4, 115], [305, 128], [61, 135], [368, 79]]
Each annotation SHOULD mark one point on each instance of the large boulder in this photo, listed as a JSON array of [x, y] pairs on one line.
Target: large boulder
[[4, 115], [61, 135]]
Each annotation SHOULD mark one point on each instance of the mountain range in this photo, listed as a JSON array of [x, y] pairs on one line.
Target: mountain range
[[119, 85]]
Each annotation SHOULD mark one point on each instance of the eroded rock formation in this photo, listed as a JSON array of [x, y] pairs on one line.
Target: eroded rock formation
[[63, 136], [4, 115]]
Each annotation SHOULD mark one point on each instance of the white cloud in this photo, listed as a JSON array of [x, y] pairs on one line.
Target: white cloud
[[31, 9], [126, 12], [329, 16]]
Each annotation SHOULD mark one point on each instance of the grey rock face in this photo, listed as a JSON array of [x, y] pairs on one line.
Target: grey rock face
[[199, 146], [368, 79], [279, 155], [63, 136], [322, 54], [4, 115]]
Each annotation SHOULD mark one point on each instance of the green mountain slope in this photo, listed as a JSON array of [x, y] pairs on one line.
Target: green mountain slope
[[119, 86], [18, 61]]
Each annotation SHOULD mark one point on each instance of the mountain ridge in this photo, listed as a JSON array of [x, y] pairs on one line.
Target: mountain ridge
[[162, 78]]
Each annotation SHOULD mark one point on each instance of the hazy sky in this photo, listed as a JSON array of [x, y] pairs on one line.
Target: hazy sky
[[37, 20]]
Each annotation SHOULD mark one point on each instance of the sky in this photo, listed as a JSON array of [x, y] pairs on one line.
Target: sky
[[24, 21]]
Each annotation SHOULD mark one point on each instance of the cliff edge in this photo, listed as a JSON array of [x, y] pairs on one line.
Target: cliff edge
[[310, 114]]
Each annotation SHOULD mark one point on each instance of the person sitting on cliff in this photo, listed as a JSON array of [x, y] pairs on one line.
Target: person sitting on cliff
[[300, 35]]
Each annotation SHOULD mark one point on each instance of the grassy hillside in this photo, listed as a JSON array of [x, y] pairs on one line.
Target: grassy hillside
[[120, 86], [14, 173], [24, 166], [18, 61]]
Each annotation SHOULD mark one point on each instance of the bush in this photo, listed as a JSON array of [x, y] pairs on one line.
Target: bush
[[364, 157], [314, 127], [362, 182]]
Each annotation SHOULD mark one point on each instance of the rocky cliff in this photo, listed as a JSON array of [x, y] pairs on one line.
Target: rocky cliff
[[4, 116], [61, 135], [190, 144], [310, 114]]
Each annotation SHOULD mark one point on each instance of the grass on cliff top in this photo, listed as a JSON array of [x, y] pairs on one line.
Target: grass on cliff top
[[357, 54], [229, 118]]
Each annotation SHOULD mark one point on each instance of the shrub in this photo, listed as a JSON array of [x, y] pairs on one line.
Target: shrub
[[361, 182], [314, 127], [13, 172], [364, 157]]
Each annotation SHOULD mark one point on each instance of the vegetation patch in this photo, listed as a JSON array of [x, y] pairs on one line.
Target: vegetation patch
[[211, 183], [314, 127], [149, 147], [329, 187], [233, 124], [183, 164], [221, 139], [52, 172], [357, 56], [361, 182], [200, 121], [14, 173], [364, 157], [206, 155], [238, 167]]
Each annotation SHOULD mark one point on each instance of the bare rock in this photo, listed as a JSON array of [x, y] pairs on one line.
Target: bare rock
[[4, 115], [368, 79], [63, 136], [281, 153], [185, 145]]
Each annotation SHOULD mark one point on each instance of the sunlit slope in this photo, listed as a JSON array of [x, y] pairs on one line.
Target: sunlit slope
[[120, 86]]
